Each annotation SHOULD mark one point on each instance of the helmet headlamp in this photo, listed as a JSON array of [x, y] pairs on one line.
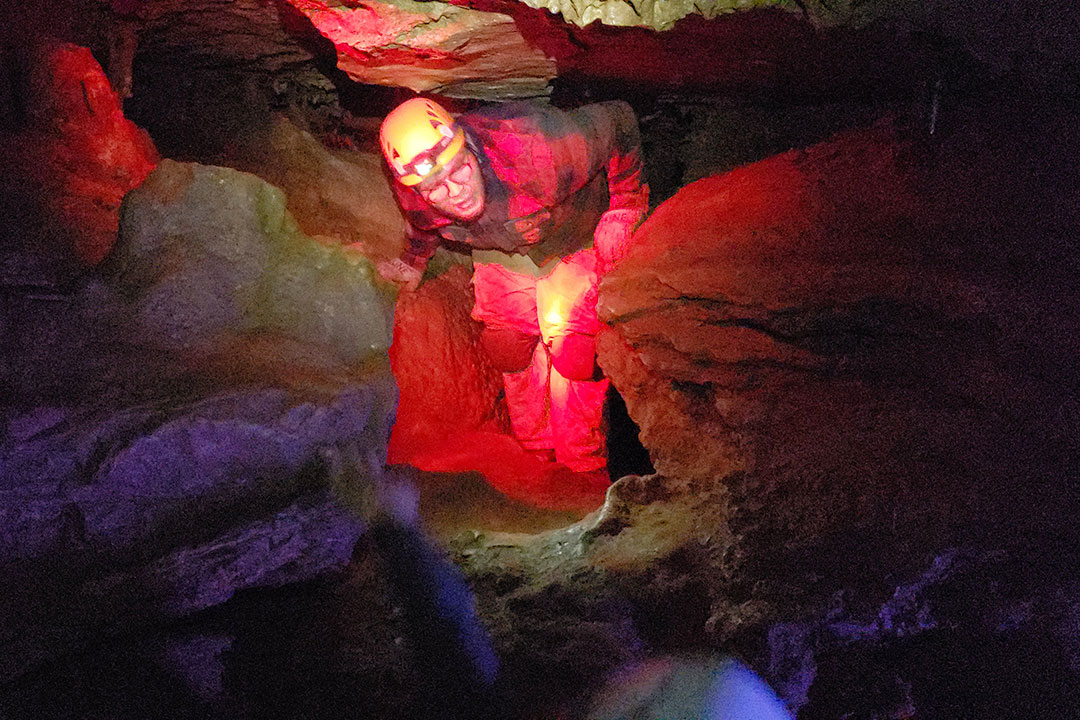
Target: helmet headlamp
[[418, 138]]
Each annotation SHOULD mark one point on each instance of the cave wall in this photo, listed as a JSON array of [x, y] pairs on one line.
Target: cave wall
[[852, 364]]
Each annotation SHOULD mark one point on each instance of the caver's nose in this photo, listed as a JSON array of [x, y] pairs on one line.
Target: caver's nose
[[455, 189]]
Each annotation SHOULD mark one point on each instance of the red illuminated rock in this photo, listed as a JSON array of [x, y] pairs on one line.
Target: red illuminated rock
[[447, 385], [427, 46], [75, 154], [498, 49], [843, 338]]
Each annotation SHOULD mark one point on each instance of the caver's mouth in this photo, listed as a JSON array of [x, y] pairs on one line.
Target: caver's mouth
[[469, 208]]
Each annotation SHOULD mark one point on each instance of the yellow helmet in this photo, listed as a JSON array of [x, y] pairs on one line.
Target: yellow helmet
[[418, 137]]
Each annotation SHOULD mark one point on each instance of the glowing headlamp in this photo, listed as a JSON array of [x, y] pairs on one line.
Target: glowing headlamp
[[428, 162], [423, 167]]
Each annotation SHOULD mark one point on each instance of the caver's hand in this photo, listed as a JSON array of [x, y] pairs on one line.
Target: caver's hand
[[611, 238], [401, 273]]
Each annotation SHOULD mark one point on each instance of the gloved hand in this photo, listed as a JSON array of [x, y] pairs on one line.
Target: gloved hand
[[611, 239], [401, 273]]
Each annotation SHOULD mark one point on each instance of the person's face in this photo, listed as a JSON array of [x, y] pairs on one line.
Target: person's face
[[457, 189]]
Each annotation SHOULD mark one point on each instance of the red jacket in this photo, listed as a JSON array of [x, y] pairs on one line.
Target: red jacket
[[548, 176]]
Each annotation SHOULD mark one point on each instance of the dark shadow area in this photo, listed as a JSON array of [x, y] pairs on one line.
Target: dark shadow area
[[626, 454], [948, 675], [112, 682]]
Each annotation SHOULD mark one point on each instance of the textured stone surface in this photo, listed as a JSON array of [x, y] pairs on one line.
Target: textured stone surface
[[234, 33], [811, 336], [783, 47], [841, 339], [206, 253], [432, 47], [161, 511], [172, 438], [447, 385], [69, 157], [651, 14], [221, 68], [337, 196]]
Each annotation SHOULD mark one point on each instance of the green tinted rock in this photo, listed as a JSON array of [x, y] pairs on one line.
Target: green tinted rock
[[206, 252]]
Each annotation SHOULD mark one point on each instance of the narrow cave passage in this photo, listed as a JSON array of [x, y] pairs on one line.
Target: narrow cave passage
[[525, 496], [849, 329]]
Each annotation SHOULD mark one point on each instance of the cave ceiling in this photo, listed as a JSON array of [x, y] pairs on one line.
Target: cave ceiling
[[498, 49], [503, 49]]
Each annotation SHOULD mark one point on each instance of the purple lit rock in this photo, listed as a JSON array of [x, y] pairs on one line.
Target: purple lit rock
[[223, 495], [173, 436]]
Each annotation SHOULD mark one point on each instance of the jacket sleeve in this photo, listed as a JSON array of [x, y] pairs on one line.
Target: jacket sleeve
[[421, 234], [421, 242], [614, 144], [420, 245]]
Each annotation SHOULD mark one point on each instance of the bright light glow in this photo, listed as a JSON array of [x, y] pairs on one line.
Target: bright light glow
[[424, 167], [553, 317]]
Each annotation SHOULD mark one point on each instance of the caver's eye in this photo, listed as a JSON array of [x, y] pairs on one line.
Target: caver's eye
[[438, 194], [462, 174]]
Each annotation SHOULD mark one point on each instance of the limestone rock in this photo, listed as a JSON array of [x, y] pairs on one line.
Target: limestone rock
[[432, 47], [208, 253], [337, 196], [448, 388], [160, 511], [807, 327], [646, 13], [838, 346], [238, 33], [68, 163], [221, 69], [208, 421]]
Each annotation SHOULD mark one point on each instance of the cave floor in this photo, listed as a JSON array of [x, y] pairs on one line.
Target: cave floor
[[487, 482]]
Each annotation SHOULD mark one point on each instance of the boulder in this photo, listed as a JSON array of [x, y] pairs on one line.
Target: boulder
[[848, 355], [338, 196], [207, 421], [207, 253], [122, 520], [70, 157], [448, 387]]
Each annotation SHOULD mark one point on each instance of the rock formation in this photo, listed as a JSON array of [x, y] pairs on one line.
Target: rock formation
[[172, 432], [861, 437], [70, 157], [852, 364]]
